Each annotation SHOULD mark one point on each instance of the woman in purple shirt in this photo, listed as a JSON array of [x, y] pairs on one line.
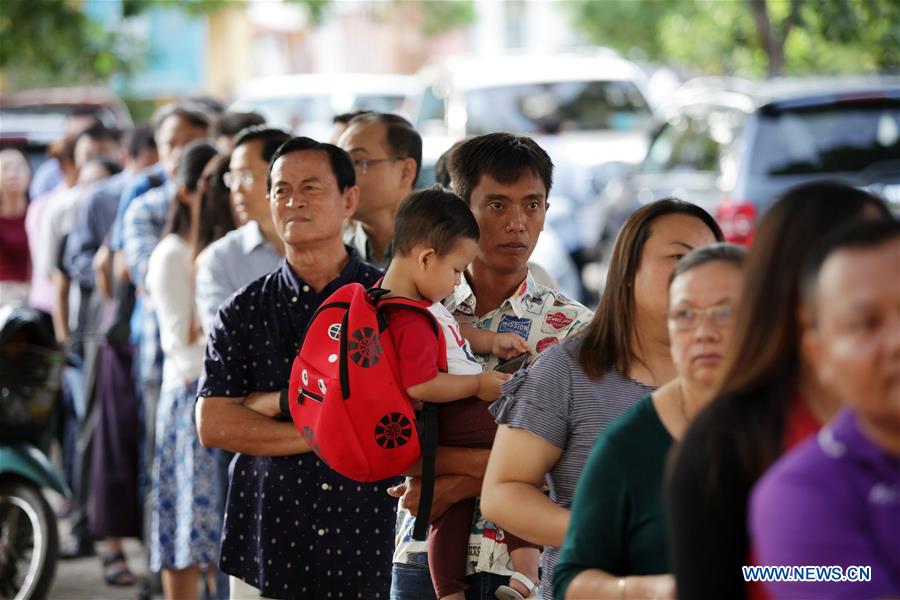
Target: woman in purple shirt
[[835, 501]]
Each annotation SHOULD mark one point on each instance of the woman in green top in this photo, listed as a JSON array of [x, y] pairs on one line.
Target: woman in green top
[[616, 545]]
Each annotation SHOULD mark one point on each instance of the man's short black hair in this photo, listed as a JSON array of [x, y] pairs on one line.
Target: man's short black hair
[[100, 133], [138, 139], [402, 138], [193, 113], [270, 137], [345, 118], [229, 123], [502, 156], [434, 217], [341, 165], [857, 235]]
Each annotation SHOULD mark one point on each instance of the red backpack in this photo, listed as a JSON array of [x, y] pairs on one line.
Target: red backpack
[[345, 394]]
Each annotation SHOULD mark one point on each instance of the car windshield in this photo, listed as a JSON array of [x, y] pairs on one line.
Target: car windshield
[[558, 106], [692, 143], [832, 139], [43, 124]]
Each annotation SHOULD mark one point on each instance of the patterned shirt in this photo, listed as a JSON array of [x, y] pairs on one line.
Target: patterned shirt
[[555, 400], [543, 317], [293, 527], [144, 222], [95, 217]]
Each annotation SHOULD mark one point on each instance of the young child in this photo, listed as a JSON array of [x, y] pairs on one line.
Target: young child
[[435, 239]]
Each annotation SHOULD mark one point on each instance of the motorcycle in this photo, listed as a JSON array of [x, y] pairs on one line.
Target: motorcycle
[[30, 370]]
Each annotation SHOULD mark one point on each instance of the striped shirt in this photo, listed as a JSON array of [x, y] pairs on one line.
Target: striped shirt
[[555, 400]]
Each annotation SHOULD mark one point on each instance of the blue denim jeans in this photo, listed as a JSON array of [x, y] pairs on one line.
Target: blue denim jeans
[[413, 582]]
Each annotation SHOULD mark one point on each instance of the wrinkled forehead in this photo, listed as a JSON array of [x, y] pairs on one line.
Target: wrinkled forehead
[[853, 278], [303, 164]]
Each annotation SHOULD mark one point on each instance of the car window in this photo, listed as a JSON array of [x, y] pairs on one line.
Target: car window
[[826, 140], [562, 106], [292, 112], [692, 143]]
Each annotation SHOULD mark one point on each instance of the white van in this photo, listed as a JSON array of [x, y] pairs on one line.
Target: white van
[[306, 103]]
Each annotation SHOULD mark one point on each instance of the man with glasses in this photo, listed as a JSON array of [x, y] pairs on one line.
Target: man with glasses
[[387, 156], [254, 248]]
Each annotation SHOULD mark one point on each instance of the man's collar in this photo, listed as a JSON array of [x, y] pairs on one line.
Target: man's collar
[[251, 237], [463, 298], [347, 274]]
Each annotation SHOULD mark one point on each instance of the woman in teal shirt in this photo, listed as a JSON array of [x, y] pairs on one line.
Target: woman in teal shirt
[[616, 545]]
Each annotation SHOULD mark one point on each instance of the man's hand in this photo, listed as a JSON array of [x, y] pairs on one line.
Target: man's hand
[[507, 345], [445, 493], [265, 403], [489, 385]]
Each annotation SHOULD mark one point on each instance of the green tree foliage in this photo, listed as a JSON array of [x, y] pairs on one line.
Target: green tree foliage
[[751, 37], [53, 40]]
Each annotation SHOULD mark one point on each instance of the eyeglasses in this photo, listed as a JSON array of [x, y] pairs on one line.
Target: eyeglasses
[[688, 319], [233, 179], [362, 164]]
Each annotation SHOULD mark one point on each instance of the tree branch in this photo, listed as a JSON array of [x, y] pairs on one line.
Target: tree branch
[[792, 19]]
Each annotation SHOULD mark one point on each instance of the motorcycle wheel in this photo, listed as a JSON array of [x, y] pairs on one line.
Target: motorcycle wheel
[[29, 542]]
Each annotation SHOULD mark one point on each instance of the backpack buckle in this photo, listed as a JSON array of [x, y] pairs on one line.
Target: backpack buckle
[[375, 294]]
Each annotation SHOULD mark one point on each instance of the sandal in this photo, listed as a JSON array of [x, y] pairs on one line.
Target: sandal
[[505, 592], [116, 572]]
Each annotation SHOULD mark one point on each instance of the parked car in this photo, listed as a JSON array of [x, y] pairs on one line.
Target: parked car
[[33, 119], [845, 130], [588, 110], [306, 103], [684, 159]]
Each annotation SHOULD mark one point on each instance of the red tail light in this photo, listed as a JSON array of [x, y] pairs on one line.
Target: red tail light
[[737, 218]]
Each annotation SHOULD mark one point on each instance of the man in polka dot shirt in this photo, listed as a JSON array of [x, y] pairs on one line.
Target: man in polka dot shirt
[[293, 527]]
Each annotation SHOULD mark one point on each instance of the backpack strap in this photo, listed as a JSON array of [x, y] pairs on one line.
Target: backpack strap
[[428, 435], [429, 438]]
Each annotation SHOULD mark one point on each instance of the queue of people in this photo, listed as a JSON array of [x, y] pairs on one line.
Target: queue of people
[[652, 448]]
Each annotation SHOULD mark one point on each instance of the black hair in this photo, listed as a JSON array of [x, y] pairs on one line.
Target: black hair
[[610, 340], [215, 217], [193, 113], [442, 169], [271, 139], [859, 235], [193, 161], [100, 133], [345, 118], [502, 156], [721, 252], [341, 165], [139, 139], [111, 166], [435, 217], [402, 138], [208, 104], [231, 123]]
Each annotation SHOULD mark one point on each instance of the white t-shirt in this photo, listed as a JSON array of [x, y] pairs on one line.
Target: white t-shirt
[[460, 360], [170, 287]]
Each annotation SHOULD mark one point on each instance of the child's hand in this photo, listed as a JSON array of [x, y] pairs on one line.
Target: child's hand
[[489, 385], [507, 345], [265, 403]]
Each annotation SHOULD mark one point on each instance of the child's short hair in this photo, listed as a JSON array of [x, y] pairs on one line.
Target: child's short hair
[[434, 217]]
